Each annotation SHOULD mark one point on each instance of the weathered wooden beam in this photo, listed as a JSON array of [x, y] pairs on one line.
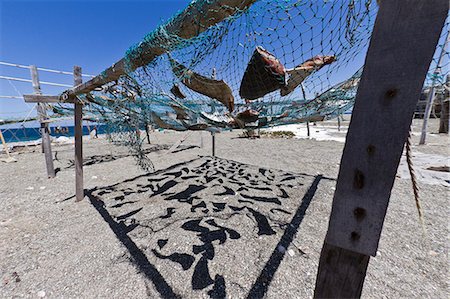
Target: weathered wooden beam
[[403, 41], [46, 142], [79, 188], [38, 98], [195, 19]]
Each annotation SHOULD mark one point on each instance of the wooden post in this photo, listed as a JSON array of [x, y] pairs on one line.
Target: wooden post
[[339, 120], [147, 132], [79, 190], [431, 94], [212, 101], [403, 41], [445, 108], [213, 135], [5, 146], [46, 143], [308, 131]]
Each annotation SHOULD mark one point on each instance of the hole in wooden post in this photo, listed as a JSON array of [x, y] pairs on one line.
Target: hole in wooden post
[[359, 213], [355, 236], [371, 149], [358, 181], [391, 93]]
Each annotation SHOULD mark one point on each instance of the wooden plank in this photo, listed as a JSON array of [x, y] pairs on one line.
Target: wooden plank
[[79, 188], [186, 25], [46, 142], [35, 98], [405, 31], [349, 270], [403, 41]]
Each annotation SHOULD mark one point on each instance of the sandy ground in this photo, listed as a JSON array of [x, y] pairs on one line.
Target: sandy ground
[[249, 222]]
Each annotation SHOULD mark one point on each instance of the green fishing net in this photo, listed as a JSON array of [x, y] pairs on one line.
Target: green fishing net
[[275, 62]]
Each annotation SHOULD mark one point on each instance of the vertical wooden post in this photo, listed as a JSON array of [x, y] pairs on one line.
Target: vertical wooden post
[[147, 132], [445, 108], [5, 147], [213, 135], [339, 120], [213, 102], [308, 131], [403, 41], [431, 94], [79, 189], [46, 143]]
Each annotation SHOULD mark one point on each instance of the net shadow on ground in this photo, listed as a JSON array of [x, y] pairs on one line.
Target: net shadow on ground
[[98, 159], [210, 206]]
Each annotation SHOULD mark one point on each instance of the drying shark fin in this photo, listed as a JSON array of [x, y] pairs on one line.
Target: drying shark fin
[[299, 73], [215, 89]]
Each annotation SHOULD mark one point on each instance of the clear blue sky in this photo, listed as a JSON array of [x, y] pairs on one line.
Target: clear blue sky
[[60, 34]]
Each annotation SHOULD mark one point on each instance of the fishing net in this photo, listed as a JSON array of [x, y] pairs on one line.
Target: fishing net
[[271, 56], [274, 62], [438, 77]]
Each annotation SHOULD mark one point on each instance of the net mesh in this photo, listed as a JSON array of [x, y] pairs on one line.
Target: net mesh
[[277, 62]]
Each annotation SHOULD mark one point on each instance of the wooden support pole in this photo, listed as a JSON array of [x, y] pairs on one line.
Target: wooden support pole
[[147, 132], [5, 147], [403, 41], [79, 189], [432, 94], [445, 108], [308, 131], [339, 120], [42, 114], [213, 135]]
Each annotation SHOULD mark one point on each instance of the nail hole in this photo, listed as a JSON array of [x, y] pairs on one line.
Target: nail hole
[[359, 213], [355, 236], [371, 149], [391, 93], [358, 181]]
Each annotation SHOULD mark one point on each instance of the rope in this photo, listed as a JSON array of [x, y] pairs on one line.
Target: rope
[[30, 81], [414, 179], [41, 69]]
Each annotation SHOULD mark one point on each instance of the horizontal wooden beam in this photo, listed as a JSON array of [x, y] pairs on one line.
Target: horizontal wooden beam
[[34, 98], [198, 17]]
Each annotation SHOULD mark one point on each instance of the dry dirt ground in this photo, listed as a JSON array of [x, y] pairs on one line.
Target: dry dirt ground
[[249, 222]]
